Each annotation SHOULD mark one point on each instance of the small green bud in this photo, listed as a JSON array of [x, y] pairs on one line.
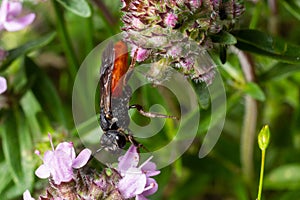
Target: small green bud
[[108, 171], [264, 138]]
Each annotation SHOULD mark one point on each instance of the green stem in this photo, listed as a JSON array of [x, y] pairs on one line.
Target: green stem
[[261, 178], [248, 138], [250, 119], [66, 41]]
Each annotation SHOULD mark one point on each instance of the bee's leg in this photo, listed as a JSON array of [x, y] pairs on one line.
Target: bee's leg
[[136, 143], [140, 109]]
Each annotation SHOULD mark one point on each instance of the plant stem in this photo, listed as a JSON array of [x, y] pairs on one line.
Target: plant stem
[[261, 178], [66, 41], [250, 120], [248, 138]]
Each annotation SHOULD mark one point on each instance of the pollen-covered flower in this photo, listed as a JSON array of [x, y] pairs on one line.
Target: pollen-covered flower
[[179, 31], [10, 18], [60, 162], [136, 180], [3, 85]]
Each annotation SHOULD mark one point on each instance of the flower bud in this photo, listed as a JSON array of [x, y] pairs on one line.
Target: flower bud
[[264, 138]]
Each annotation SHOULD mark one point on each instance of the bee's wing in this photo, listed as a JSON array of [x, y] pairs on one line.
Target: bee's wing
[[107, 66]]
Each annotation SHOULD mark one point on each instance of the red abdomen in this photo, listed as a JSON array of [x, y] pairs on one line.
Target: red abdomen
[[120, 68]]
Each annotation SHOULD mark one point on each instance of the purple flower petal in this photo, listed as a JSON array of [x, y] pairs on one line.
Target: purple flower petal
[[135, 180], [60, 167], [151, 187], [132, 184], [82, 158], [130, 159], [42, 172], [3, 85], [27, 195], [68, 148], [3, 11], [140, 197], [59, 162], [18, 24], [14, 8], [150, 169]]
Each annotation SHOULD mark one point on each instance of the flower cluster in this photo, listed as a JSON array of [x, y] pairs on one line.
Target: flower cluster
[[60, 162], [179, 31], [10, 18], [136, 181], [67, 182]]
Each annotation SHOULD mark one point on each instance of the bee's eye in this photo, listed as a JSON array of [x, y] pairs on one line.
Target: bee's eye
[[121, 140]]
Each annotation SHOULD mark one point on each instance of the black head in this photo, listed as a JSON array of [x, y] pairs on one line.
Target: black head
[[113, 140]]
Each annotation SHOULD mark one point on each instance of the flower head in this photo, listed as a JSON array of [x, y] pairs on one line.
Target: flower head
[[59, 163], [136, 181], [179, 30], [10, 18]]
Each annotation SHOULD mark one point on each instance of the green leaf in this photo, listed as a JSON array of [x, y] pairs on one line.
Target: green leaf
[[284, 177], [263, 44], [26, 148], [254, 91], [26, 174], [280, 70], [224, 38], [5, 176], [293, 6], [31, 107], [26, 48], [78, 7], [11, 146], [203, 95], [45, 92]]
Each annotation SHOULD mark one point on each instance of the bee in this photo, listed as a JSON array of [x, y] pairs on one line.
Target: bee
[[114, 120]]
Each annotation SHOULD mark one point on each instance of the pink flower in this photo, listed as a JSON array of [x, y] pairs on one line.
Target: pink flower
[[171, 19], [142, 54], [10, 19], [59, 163], [3, 85], [196, 3], [136, 181]]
